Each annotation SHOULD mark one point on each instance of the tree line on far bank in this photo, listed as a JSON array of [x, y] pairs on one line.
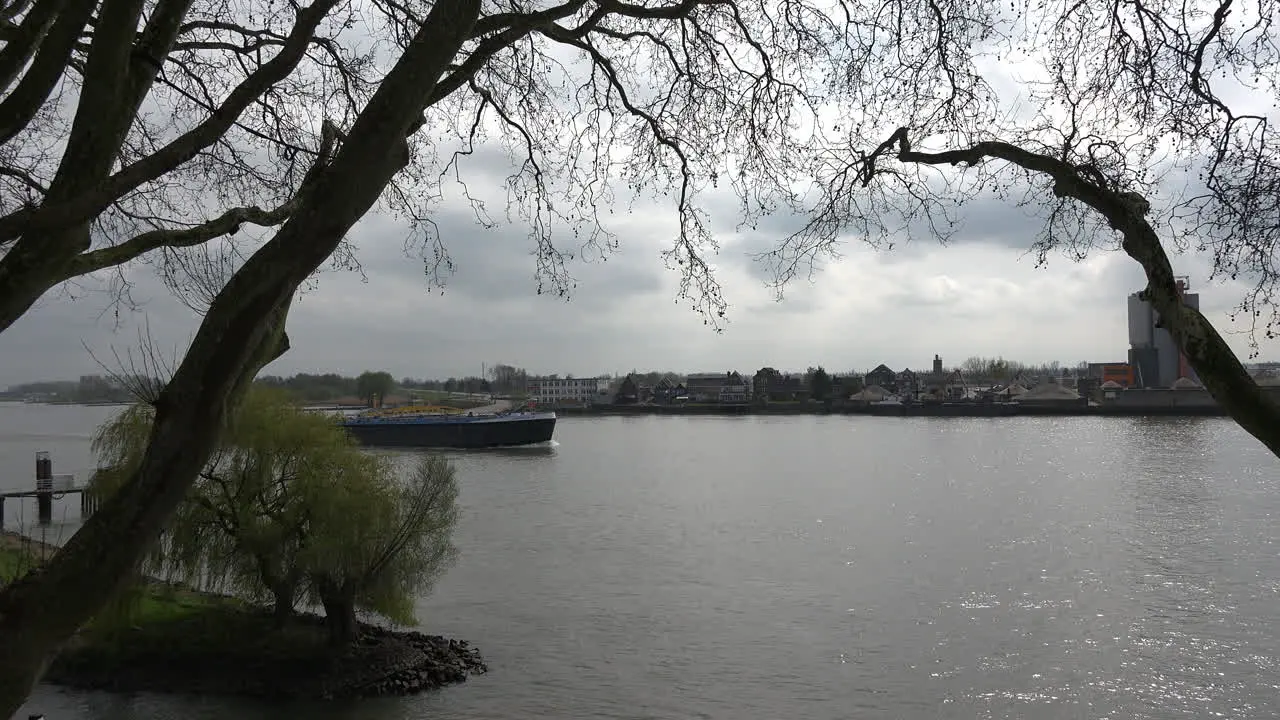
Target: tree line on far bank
[[501, 378], [301, 387], [322, 387]]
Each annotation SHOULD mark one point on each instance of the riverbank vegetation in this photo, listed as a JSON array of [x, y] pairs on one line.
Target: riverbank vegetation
[[288, 509], [288, 514], [302, 388], [167, 637]]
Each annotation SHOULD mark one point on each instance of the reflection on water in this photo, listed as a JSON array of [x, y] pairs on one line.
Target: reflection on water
[[537, 450], [1181, 570], [830, 567], [1169, 478]]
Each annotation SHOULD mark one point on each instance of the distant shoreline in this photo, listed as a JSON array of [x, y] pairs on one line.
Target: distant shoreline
[[961, 409], [980, 410], [103, 403]]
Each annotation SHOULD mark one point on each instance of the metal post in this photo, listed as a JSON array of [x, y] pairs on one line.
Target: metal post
[[44, 488], [88, 503]]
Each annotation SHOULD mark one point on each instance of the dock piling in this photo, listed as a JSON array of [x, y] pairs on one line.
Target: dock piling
[[49, 486], [88, 503], [44, 488]]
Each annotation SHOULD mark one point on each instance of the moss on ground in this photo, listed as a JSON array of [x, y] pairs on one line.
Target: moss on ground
[[438, 397], [19, 554], [153, 603]]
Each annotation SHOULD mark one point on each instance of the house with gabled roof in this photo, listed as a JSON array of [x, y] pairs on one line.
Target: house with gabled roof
[[881, 376], [728, 387]]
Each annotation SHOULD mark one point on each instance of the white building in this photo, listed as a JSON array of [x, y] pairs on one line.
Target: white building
[[1154, 355], [569, 390]]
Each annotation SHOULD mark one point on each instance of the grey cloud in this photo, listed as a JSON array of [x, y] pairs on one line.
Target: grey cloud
[[72, 330], [497, 264], [622, 314], [985, 220], [788, 306], [488, 312]]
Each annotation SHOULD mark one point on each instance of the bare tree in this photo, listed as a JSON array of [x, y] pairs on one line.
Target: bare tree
[[131, 127], [669, 97], [508, 378], [1120, 105]]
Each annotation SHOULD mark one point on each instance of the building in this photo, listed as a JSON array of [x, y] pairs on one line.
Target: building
[[1120, 373], [667, 391], [727, 387], [907, 383], [554, 390], [881, 376], [939, 384], [1153, 354], [769, 385]]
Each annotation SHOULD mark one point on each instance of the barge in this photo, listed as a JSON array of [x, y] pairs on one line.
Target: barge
[[427, 429]]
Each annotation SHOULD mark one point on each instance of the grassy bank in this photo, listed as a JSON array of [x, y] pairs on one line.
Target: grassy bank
[[154, 603], [174, 639], [435, 397], [419, 397], [18, 554]]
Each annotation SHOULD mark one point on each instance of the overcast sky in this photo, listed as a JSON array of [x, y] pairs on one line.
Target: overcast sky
[[980, 295]]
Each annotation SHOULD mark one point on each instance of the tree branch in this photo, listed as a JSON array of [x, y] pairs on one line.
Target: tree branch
[[1217, 365], [12, 9], [517, 28], [103, 115], [25, 178], [228, 223], [88, 204], [21, 43], [18, 109]]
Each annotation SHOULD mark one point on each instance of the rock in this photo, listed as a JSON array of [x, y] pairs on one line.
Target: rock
[[382, 662]]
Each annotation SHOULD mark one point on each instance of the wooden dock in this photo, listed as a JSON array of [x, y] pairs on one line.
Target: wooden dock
[[50, 487]]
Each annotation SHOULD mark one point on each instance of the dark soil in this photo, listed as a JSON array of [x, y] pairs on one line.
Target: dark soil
[[231, 651]]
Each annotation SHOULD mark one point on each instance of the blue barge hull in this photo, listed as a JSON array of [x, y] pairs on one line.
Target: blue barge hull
[[453, 431]]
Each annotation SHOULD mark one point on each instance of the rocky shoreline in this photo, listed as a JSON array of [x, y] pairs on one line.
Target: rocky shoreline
[[193, 642], [381, 662]]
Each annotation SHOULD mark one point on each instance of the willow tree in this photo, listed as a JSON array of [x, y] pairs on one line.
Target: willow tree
[[1138, 125], [380, 542], [289, 505], [137, 128], [247, 520]]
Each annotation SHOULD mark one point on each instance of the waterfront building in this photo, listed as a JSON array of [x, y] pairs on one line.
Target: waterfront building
[[1153, 354], [726, 387], [554, 390]]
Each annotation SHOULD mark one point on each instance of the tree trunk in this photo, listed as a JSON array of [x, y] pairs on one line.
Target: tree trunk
[[42, 609], [283, 587], [283, 609], [27, 273], [242, 331], [340, 619], [1222, 373]]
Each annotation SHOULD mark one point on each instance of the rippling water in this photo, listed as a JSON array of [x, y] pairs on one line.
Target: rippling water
[[830, 567]]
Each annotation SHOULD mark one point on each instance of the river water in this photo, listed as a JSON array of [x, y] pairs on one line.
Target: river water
[[826, 567]]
